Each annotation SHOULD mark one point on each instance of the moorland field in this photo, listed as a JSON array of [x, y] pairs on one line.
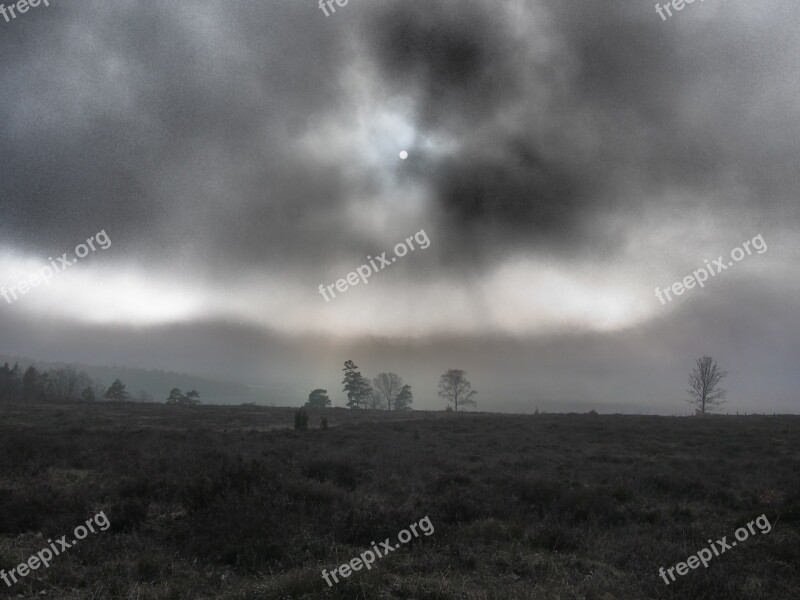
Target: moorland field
[[233, 503]]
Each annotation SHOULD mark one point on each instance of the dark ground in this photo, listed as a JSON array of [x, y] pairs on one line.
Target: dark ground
[[218, 502]]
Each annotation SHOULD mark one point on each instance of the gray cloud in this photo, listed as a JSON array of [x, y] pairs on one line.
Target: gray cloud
[[217, 139], [176, 126]]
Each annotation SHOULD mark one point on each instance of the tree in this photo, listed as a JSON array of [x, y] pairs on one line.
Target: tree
[[454, 387], [356, 385], [117, 393], [66, 385], [387, 386], [88, 394], [93, 391], [10, 383], [176, 396], [31, 384], [404, 399], [371, 398], [192, 397], [318, 399], [704, 390]]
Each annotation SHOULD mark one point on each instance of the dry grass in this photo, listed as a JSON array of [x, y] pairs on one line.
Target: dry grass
[[218, 502]]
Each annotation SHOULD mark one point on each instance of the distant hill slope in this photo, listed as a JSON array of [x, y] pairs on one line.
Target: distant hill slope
[[159, 383]]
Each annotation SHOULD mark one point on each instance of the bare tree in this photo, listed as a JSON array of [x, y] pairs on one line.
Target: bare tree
[[704, 390], [372, 399], [66, 385], [387, 387], [454, 387]]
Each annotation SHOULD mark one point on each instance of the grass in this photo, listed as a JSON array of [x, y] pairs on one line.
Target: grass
[[230, 503]]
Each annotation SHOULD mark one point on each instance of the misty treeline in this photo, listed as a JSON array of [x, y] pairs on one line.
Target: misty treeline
[[387, 391], [57, 385], [68, 384]]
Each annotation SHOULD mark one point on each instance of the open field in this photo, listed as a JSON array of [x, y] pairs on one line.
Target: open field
[[216, 502]]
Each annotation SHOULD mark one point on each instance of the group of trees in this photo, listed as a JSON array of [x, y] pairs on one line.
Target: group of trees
[[387, 391], [58, 385], [177, 397], [70, 385]]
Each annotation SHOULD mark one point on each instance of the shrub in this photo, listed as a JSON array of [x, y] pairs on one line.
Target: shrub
[[301, 420], [338, 472], [129, 514]]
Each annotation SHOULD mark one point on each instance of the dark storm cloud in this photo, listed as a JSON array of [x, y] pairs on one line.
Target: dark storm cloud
[[455, 55], [174, 128], [168, 126], [638, 109], [464, 68], [522, 189]]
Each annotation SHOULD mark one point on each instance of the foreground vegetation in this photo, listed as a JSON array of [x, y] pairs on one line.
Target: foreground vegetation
[[231, 503]]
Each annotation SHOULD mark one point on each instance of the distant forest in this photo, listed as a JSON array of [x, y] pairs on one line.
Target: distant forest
[[59, 385], [60, 382]]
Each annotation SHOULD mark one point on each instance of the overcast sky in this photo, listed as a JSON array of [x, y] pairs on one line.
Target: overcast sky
[[564, 160]]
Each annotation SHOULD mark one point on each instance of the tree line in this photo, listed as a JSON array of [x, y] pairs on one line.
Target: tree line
[[58, 385], [68, 385], [387, 391]]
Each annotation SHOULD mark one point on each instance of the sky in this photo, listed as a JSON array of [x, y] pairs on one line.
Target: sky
[[565, 160]]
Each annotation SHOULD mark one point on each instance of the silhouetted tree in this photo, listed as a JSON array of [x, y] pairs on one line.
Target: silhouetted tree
[[67, 384], [190, 399], [371, 398], [117, 393], [31, 384], [454, 387], [704, 390], [88, 394], [318, 399], [175, 396], [387, 386], [356, 386], [10, 383], [404, 399]]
